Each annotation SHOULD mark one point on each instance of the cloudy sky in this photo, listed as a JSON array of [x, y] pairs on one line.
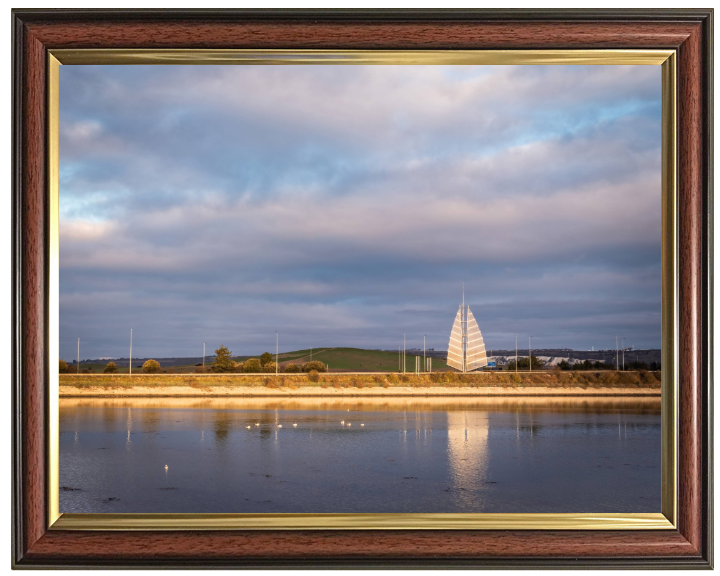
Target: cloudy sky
[[345, 205]]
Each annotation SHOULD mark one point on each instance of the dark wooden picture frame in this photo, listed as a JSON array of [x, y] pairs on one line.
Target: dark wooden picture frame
[[35, 32]]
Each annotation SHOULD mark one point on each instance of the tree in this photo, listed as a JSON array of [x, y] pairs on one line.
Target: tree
[[265, 357], [151, 366], [524, 364], [269, 368], [291, 368], [252, 366], [64, 368], [564, 365], [314, 365], [223, 363], [111, 368]]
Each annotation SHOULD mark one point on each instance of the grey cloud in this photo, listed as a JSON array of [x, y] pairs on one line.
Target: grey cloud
[[345, 206]]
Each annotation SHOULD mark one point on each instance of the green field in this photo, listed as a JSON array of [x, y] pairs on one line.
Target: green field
[[338, 359], [358, 360]]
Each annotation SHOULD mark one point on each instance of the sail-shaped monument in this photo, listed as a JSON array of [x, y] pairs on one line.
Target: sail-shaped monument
[[466, 351]]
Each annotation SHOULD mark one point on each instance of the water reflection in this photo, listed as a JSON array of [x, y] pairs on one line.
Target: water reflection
[[411, 455], [467, 455]]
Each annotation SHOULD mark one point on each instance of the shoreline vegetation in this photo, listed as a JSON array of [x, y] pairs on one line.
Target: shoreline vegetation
[[551, 383]]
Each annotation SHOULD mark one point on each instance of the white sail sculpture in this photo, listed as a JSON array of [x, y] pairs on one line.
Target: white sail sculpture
[[466, 350]]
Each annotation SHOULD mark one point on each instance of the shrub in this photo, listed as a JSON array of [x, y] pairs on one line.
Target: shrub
[[64, 368], [386, 384], [392, 377], [270, 383], [314, 365], [238, 366], [202, 369], [151, 366], [313, 376], [436, 377], [404, 378], [291, 368], [269, 368], [265, 358], [111, 368], [223, 362], [252, 366]]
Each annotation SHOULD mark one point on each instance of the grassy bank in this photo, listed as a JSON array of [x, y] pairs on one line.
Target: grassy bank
[[339, 359], [554, 379]]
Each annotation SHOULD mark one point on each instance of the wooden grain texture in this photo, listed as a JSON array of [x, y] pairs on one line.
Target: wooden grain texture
[[685, 547], [690, 199], [362, 35], [33, 291], [299, 545]]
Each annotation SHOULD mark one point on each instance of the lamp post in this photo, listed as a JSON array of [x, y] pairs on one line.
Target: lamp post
[[78, 366], [617, 355], [203, 356], [130, 362], [404, 365], [516, 358], [276, 351], [530, 352], [623, 347]]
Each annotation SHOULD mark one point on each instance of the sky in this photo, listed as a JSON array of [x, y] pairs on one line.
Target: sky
[[346, 205]]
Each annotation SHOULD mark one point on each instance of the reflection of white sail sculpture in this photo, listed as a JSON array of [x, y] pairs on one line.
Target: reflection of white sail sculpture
[[467, 456], [466, 350]]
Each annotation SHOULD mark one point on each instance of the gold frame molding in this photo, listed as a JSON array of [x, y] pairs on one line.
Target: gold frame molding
[[664, 520]]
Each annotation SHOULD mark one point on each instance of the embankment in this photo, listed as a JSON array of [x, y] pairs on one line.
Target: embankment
[[554, 383]]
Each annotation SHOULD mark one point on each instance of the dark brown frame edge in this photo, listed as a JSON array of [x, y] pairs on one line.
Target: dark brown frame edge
[[37, 31]]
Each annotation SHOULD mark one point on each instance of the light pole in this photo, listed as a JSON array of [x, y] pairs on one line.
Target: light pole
[[277, 339], [130, 362], [78, 366], [203, 356], [424, 359], [530, 351], [404, 366], [617, 355], [516, 358], [623, 347], [399, 360]]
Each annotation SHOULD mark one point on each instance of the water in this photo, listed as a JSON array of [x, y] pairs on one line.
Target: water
[[411, 455]]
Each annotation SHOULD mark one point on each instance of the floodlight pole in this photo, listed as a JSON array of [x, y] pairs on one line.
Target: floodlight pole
[[404, 363], [424, 359], [530, 351], [617, 355], [203, 356], [623, 347], [277, 339], [516, 355], [130, 362], [78, 366]]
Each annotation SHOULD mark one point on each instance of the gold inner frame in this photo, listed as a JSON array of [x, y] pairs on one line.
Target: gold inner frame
[[666, 519]]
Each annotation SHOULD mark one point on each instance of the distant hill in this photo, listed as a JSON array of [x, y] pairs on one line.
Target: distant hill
[[363, 360]]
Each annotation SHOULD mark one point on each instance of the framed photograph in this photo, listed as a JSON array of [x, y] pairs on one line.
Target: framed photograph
[[362, 288]]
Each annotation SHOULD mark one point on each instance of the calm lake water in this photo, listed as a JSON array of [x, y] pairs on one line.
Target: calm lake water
[[411, 455]]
